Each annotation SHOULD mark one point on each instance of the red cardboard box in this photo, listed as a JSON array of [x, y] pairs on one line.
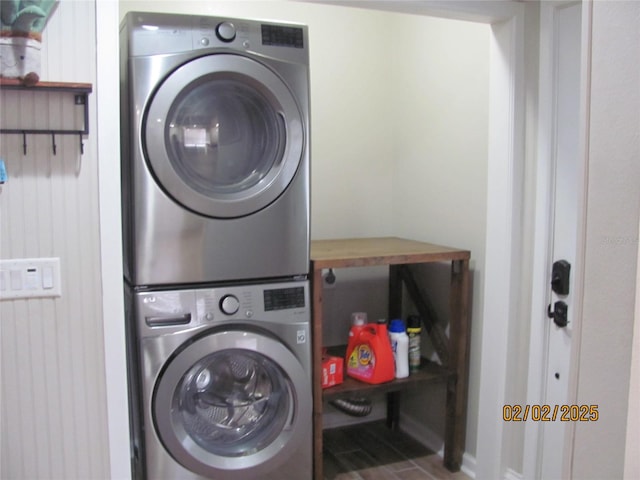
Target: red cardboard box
[[332, 370]]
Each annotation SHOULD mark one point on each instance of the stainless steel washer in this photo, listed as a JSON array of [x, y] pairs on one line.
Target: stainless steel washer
[[225, 379], [215, 152]]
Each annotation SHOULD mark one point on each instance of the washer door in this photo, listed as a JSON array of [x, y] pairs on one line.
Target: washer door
[[232, 403], [223, 135]]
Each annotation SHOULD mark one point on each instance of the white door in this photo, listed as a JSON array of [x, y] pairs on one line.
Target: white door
[[547, 448]]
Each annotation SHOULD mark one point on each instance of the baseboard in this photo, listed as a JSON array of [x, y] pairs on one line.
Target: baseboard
[[422, 433], [468, 466], [512, 475], [434, 441]]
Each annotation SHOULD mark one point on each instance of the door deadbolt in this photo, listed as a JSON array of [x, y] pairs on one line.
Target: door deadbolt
[[560, 274], [560, 313]]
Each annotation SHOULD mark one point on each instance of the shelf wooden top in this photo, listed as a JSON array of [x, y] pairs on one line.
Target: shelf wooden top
[[363, 252], [14, 83]]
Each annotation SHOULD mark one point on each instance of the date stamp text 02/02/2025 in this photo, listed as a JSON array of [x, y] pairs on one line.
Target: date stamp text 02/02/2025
[[550, 413]]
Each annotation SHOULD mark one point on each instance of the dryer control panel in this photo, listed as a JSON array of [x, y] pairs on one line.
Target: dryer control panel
[[161, 33], [284, 298], [281, 36]]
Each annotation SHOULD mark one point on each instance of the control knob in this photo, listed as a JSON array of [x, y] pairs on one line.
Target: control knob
[[229, 304], [226, 31]]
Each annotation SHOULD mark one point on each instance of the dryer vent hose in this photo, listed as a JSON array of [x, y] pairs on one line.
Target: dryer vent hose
[[356, 407]]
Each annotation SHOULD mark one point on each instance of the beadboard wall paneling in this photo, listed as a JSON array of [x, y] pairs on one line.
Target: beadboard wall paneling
[[54, 420]]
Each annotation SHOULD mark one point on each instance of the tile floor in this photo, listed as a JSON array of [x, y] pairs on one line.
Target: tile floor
[[370, 451]]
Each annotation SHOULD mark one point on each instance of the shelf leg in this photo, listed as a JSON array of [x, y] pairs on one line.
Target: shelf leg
[[452, 448], [395, 292], [393, 410], [316, 288], [457, 388]]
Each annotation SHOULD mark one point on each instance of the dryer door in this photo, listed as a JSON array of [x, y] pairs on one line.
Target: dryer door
[[233, 404], [223, 135]]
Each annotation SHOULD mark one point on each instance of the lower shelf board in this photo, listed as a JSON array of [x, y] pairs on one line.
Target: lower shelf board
[[429, 372]]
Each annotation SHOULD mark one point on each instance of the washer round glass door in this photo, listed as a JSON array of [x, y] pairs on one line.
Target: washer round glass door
[[232, 402], [223, 135]]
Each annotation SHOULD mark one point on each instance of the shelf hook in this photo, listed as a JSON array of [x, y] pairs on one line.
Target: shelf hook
[[81, 144], [53, 143], [24, 143]]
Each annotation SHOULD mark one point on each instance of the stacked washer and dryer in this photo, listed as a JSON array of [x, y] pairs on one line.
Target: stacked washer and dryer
[[215, 173]]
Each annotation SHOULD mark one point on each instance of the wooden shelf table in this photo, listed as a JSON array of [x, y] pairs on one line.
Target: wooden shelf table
[[453, 351]]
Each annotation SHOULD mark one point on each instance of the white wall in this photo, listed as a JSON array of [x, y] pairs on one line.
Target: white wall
[[440, 101], [613, 211], [631, 458], [54, 419], [440, 92]]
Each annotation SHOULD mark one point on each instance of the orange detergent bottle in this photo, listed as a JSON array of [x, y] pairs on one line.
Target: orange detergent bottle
[[369, 355]]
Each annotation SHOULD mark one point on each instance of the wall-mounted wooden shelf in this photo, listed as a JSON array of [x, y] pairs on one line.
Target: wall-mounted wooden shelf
[[80, 92], [15, 84]]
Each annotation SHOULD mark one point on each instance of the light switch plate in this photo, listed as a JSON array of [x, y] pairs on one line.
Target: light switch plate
[[30, 278]]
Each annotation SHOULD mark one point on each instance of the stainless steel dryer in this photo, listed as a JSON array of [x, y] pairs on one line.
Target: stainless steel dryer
[[215, 157], [226, 382]]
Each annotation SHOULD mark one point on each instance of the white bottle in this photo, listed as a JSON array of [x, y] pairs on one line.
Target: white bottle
[[400, 347]]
